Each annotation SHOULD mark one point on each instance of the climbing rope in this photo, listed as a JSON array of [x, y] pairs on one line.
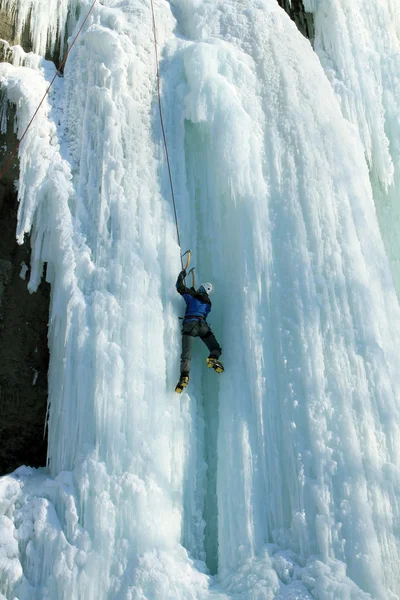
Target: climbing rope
[[47, 91], [163, 129], [6, 166]]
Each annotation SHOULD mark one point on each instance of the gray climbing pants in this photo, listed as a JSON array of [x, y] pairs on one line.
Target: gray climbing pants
[[201, 329]]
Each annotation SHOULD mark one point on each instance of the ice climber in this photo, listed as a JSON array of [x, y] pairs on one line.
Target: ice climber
[[198, 305]]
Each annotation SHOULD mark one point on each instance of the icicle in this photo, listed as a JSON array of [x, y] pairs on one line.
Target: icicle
[[46, 25]]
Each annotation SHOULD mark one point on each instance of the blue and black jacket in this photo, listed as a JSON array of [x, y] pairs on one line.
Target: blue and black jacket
[[198, 304]]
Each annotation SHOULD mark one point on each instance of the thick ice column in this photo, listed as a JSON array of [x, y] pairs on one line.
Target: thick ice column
[[116, 363], [286, 214], [91, 195], [359, 47]]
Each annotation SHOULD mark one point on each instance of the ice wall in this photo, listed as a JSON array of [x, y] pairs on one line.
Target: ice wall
[[359, 47], [117, 440], [279, 479]]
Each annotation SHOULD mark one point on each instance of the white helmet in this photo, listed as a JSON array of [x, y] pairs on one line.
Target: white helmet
[[206, 287]]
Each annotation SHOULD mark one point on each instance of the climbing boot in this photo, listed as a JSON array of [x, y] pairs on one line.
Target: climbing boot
[[213, 363], [182, 383]]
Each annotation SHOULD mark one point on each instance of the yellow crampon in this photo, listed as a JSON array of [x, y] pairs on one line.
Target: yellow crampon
[[213, 363], [182, 383]]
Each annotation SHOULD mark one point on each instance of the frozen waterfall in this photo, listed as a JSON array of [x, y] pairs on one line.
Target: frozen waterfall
[[279, 479]]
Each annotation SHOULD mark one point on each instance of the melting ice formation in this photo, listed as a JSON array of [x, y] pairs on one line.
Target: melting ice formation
[[281, 478]]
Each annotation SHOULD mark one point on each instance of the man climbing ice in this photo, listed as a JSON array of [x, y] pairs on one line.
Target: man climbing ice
[[198, 305]]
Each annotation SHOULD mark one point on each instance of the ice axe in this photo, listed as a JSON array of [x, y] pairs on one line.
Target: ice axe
[[192, 273], [189, 253]]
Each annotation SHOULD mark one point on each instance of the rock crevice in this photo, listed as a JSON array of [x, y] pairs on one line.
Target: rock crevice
[[303, 19], [24, 354]]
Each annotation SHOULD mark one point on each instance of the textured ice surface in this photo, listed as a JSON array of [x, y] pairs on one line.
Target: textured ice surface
[[281, 478], [359, 47]]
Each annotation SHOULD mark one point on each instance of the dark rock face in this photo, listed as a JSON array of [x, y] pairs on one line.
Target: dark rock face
[[24, 352], [8, 32], [7, 28], [303, 20]]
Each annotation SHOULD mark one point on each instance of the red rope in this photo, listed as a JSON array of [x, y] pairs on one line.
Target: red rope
[[47, 91], [162, 126]]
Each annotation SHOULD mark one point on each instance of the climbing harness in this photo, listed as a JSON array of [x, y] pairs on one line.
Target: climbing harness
[[47, 91]]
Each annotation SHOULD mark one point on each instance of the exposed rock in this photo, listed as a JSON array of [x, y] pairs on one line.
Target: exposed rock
[[303, 20], [23, 336], [9, 34], [7, 28]]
